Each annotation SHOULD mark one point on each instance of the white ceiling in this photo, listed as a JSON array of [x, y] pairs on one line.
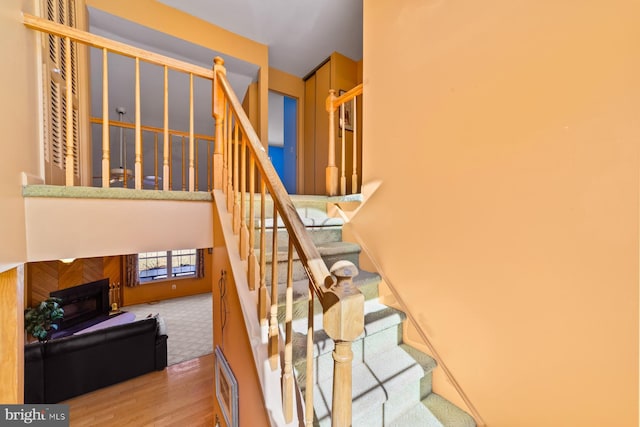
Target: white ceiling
[[300, 33]]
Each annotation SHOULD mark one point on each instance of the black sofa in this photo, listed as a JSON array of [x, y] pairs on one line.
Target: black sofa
[[59, 369]]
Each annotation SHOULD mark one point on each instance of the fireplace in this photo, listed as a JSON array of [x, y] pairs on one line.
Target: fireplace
[[84, 306]]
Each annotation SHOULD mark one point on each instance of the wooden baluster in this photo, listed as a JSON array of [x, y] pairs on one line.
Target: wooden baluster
[[308, 395], [155, 160], [218, 113], [253, 262], [69, 175], [343, 320], [138, 165], [287, 377], [106, 172], [170, 162], [184, 165], [166, 148], [273, 324], [225, 144], [244, 233], [191, 148], [343, 178], [332, 169], [230, 125], [195, 160], [262, 291], [236, 177], [209, 166], [354, 175]]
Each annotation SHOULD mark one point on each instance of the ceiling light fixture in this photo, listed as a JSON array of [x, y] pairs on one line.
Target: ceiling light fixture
[[118, 174]]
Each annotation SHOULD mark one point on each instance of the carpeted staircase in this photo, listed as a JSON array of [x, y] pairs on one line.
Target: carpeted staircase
[[391, 380]]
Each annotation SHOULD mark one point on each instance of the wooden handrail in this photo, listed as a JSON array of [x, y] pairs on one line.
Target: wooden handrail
[[307, 251], [89, 39], [347, 96], [154, 129]]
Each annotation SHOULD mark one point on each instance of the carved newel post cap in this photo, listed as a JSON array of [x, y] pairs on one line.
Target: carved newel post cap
[[218, 60], [344, 270]]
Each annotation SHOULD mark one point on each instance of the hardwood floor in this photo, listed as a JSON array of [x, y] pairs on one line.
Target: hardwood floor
[[181, 395]]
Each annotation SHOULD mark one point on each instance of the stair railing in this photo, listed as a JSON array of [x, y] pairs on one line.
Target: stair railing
[[239, 154], [72, 35], [347, 105]]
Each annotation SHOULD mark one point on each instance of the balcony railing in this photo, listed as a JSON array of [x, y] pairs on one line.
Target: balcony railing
[[346, 105], [71, 36]]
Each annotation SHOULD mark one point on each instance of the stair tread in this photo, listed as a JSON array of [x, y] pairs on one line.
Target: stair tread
[[417, 416], [373, 382], [447, 413]]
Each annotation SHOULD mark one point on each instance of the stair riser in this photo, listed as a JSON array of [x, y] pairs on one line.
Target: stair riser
[[299, 273], [319, 236], [362, 349], [400, 402], [382, 341]]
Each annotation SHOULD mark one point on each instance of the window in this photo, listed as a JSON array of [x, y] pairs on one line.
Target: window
[[162, 265]]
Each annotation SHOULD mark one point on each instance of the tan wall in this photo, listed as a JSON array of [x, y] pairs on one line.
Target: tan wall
[[19, 120], [103, 227], [233, 339], [150, 292], [505, 140]]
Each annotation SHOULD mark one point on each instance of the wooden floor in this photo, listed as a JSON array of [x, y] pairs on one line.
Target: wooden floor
[[181, 395]]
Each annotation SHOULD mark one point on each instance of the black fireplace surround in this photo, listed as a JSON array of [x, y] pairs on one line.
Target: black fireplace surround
[[84, 306]]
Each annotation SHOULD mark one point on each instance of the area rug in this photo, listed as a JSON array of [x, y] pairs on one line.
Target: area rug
[[188, 323]]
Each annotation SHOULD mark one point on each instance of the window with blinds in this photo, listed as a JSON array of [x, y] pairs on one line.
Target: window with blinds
[[55, 75]]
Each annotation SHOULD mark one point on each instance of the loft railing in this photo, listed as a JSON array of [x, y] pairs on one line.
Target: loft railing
[[71, 36], [241, 166], [177, 138], [346, 104]]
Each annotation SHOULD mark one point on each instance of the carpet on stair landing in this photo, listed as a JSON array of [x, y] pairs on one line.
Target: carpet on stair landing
[[188, 322]]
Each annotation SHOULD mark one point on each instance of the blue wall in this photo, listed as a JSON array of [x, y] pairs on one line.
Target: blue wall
[[290, 163]]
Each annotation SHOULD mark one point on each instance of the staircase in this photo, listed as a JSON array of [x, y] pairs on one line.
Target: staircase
[[391, 380]]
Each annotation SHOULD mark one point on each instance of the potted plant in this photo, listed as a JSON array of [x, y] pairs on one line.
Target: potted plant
[[39, 320]]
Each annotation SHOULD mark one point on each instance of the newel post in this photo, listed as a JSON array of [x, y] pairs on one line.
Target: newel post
[[218, 115], [332, 169], [343, 321]]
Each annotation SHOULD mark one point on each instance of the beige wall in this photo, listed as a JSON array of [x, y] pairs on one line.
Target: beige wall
[[19, 118], [505, 137], [103, 227]]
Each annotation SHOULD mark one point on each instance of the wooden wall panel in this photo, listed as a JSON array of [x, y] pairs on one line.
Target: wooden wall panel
[[42, 278], [321, 153], [70, 275], [309, 136], [12, 336], [48, 276]]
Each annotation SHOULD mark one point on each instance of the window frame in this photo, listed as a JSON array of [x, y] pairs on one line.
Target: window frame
[[169, 258]]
